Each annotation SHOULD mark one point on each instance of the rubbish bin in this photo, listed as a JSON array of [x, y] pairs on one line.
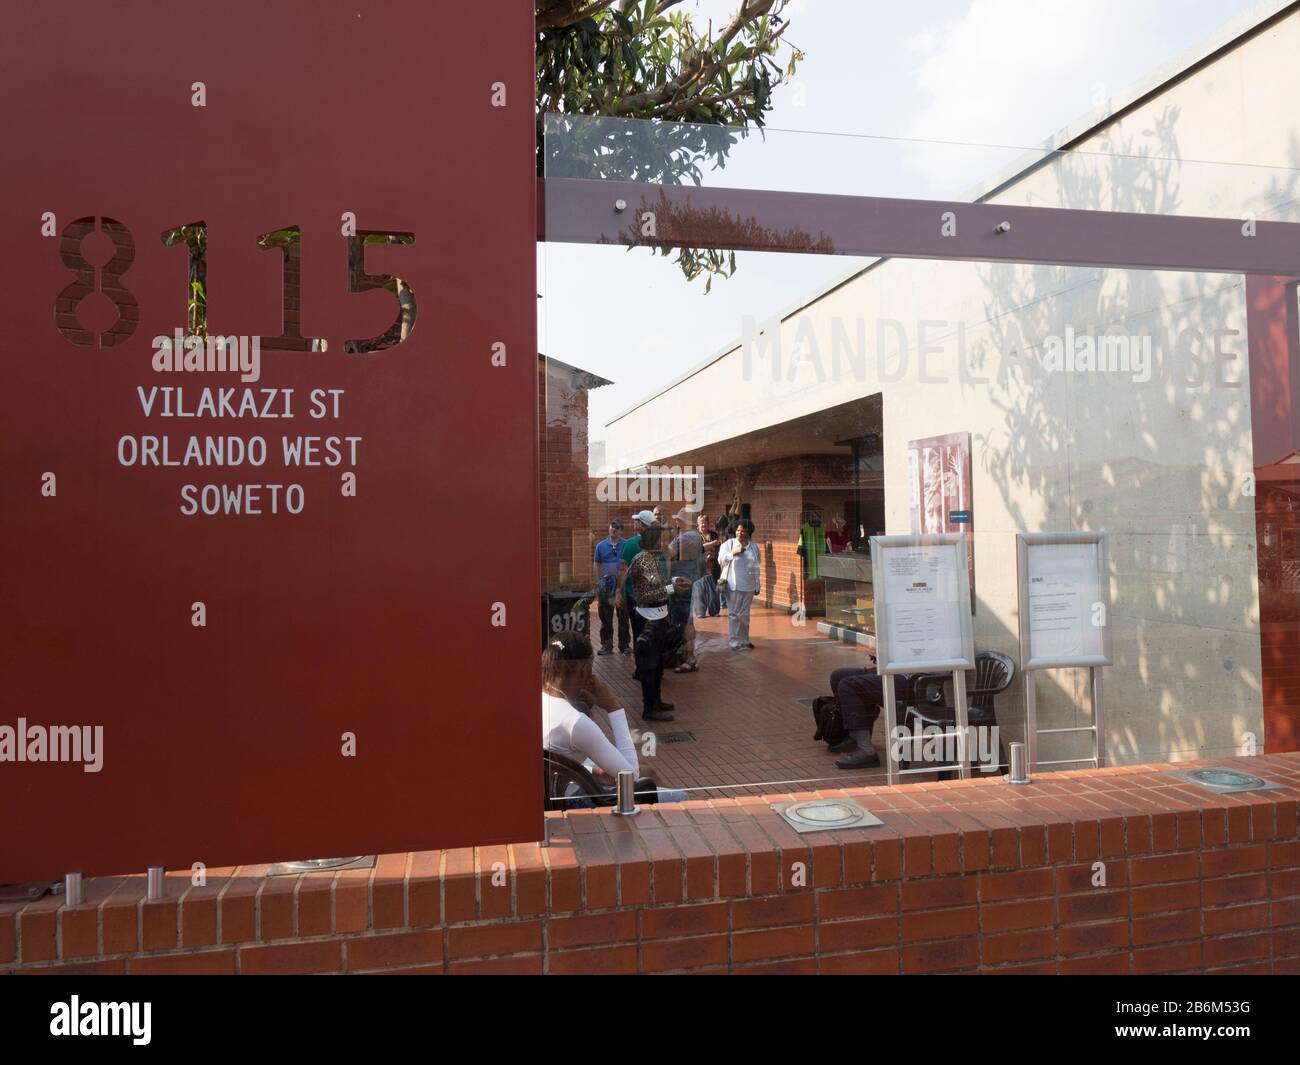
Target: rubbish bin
[[565, 611]]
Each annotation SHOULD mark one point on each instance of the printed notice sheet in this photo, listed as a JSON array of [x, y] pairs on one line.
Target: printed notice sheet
[[1063, 588], [922, 599]]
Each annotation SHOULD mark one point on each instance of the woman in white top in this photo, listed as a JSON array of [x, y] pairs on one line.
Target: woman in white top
[[740, 562], [568, 683]]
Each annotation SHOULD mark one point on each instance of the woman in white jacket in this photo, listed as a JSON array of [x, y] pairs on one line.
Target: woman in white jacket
[[741, 564], [569, 684]]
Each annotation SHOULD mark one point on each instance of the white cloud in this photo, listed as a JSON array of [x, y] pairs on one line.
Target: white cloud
[[1006, 71]]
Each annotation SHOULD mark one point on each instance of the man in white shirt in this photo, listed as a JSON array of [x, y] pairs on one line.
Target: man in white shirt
[[741, 565]]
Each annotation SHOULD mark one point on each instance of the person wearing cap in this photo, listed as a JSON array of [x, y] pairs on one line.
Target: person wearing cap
[[654, 642], [641, 520], [605, 560]]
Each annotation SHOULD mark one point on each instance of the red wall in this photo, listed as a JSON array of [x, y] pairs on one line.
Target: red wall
[[223, 743]]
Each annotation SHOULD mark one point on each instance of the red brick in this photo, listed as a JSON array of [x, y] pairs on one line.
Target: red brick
[[591, 929], [198, 963], [275, 909], [1105, 965], [1010, 916], [772, 943], [1018, 946], [940, 924], [1227, 949], [158, 925], [764, 913], [602, 961], [1164, 869], [785, 967], [79, 931], [313, 904], [324, 956], [1234, 860], [1098, 906], [855, 935], [1092, 938], [863, 963], [494, 890], [1166, 897], [1222, 890], [8, 934], [1250, 918], [932, 894], [397, 948], [352, 900], [887, 859], [424, 890], [514, 965], [661, 923], [480, 940], [1166, 927], [697, 951], [857, 902], [1027, 883], [1177, 957], [388, 891], [36, 933], [945, 954], [79, 968], [1112, 872], [460, 883]]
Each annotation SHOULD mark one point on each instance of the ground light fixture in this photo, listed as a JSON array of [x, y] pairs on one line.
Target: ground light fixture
[[825, 815], [1222, 779]]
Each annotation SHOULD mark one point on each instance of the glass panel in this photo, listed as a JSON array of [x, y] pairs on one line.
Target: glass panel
[[1142, 164], [828, 400]]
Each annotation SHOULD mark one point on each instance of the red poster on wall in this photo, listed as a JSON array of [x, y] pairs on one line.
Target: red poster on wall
[[269, 401]]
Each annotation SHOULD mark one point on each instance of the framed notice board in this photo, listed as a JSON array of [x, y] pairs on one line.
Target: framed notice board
[[922, 603], [269, 304], [1064, 582]]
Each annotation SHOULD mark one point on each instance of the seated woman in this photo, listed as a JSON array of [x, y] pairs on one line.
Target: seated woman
[[568, 683]]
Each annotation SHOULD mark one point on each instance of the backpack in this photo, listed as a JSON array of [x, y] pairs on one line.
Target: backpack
[[828, 719]]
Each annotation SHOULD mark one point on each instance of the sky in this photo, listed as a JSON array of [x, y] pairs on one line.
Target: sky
[[880, 82]]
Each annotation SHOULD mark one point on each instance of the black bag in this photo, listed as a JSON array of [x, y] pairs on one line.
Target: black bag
[[829, 720]]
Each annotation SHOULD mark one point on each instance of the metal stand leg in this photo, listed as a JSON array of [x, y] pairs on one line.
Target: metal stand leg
[[1098, 718], [891, 722], [1031, 719], [962, 719]]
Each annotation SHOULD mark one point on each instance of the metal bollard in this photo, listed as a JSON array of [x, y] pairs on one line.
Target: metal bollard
[[154, 882], [72, 889], [625, 805], [1019, 765]]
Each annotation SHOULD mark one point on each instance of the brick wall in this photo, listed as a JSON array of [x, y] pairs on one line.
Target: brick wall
[[565, 541], [964, 876]]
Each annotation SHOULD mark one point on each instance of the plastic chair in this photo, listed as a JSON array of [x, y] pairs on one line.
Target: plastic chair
[[994, 672]]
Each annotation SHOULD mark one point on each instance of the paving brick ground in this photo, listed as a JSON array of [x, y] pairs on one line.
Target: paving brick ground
[[750, 736]]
